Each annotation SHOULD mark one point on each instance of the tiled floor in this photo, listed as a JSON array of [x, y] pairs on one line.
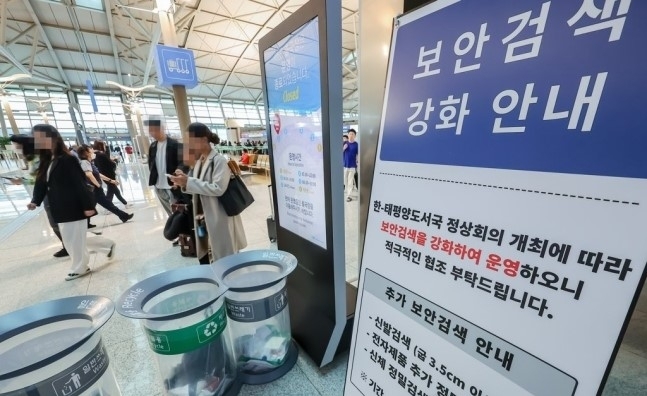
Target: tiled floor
[[29, 274]]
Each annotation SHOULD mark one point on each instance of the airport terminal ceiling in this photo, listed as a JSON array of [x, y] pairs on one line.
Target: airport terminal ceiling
[[64, 43]]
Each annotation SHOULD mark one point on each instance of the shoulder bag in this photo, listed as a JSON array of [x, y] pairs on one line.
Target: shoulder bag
[[237, 197]]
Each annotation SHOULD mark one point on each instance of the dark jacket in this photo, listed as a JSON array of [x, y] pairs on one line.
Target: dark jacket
[[66, 190], [173, 159], [106, 166]]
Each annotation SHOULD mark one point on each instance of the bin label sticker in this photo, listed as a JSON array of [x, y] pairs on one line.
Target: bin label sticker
[[159, 343], [257, 310], [208, 330], [78, 379], [174, 342], [74, 380]]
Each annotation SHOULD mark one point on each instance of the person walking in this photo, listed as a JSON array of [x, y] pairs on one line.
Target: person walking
[[207, 181], [164, 157], [60, 178], [107, 167], [351, 160], [94, 178], [25, 145], [129, 152]]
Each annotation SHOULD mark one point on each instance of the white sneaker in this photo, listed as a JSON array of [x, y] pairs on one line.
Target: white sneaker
[[72, 276]]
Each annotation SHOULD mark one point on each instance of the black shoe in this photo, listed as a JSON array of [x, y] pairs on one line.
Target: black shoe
[[61, 253], [130, 216], [176, 242], [91, 226]]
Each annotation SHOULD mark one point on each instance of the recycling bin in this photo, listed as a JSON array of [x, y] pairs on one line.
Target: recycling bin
[[54, 349], [257, 306], [185, 323]]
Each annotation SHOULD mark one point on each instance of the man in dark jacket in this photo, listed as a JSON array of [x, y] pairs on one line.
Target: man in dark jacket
[[164, 157]]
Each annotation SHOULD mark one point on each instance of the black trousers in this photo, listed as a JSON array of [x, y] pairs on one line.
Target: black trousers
[[102, 200], [114, 191]]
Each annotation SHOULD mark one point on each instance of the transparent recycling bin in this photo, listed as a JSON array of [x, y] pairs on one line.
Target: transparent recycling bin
[[185, 322], [54, 349], [257, 306]]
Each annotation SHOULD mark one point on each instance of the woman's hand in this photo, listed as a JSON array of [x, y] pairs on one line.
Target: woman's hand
[[179, 178], [31, 206], [89, 213]]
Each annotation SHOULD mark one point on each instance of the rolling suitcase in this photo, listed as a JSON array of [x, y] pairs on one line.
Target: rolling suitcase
[[271, 221]]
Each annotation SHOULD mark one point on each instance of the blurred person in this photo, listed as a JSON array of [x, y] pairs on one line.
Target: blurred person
[[94, 178], [207, 181], [60, 178], [164, 157], [351, 160], [73, 151], [244, 159], [24, 145], [129, 152], [108, 168], [117, 150]]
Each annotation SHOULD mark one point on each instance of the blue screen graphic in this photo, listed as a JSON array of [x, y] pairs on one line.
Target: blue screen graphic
[[550, 86]]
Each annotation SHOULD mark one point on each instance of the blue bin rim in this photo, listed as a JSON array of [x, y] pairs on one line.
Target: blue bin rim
[[131, 302], [48, 312], [284, 261]]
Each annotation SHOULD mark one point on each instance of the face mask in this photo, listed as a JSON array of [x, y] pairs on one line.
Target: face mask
[[93, 156]]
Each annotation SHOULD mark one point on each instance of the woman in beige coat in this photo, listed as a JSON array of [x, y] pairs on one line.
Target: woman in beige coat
[[207, 181]]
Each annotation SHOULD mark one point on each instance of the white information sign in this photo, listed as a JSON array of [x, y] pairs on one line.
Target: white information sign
[[504, 248], [294, 99]]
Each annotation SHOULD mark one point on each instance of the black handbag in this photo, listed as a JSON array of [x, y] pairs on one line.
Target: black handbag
[[93, 198], [237, 197]]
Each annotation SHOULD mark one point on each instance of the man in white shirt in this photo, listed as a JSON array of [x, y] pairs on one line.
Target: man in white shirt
[[164, 157]]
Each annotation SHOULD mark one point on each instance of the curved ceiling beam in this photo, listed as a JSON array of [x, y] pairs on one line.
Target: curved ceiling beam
[[43, 35]]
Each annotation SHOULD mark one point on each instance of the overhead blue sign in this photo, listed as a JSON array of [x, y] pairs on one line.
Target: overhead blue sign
[[175, 66], [93, 99], [550, 86]]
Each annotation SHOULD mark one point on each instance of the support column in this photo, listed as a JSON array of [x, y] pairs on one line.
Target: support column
[[169, 35], [375, 27], [3, 126], [79, 125], [139, 121], [132, 128], [182, 109], [10, 117]]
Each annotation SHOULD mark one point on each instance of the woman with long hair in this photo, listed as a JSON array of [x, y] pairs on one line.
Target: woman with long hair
[[207, 181], [94, 178], [108, 168], [60, 178], [24, 145]]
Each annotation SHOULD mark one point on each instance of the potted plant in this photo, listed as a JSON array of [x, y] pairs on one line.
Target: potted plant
[[4, 142]]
